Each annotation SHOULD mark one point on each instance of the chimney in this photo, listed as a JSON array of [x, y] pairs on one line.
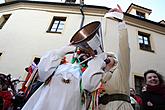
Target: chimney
[[81, 1]]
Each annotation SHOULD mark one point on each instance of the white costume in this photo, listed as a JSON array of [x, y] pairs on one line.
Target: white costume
[[63, 91], [118, 86]]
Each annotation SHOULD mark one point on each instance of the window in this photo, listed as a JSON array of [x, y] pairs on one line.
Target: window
[[36, 60], [144, 41], [0, 54], [140, 14], [3, 20], [138, 84], [57, 25]]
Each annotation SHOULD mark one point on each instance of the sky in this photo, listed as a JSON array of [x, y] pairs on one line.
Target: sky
[[157, 6]]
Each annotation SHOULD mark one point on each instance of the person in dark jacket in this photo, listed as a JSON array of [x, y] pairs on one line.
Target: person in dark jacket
[[153, 95]]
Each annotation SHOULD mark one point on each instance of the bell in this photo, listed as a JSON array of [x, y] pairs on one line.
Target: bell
[[89, 38]]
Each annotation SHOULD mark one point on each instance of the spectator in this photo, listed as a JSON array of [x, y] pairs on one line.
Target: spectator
[[154, 95], [135, 96], [138, 104]]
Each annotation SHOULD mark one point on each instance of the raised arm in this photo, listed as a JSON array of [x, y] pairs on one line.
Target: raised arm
[[98, 71], [123, 50], [51, 60]]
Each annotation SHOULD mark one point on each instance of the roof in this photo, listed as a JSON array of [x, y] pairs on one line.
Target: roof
[[146, 20], [162, 22], [51, 3], [87, 6], [137, 6]]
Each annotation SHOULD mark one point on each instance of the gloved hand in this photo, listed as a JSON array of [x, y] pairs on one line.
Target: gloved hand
[[106, 76], [111, 54], [66, 49], [98, 61], [116, 13]]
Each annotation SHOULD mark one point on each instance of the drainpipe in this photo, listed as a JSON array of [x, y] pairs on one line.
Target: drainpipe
[[81, 9]]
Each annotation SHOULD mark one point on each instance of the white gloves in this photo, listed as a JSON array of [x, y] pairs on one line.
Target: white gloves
[[111, 54], [116, 15], [98, 61], [106, 76], [66, 49]]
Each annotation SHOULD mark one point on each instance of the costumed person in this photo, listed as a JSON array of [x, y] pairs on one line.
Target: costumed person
[[32, 69], [153, 95], [33, 87], [29, 86], [94, 76], [61, 90], [32, 82], [117, 95]]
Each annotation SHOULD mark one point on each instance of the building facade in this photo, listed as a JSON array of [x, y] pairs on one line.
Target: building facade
[[30, 28]]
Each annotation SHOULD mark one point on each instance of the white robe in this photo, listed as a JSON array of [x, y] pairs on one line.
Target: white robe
[[58, 95], [119, 83]]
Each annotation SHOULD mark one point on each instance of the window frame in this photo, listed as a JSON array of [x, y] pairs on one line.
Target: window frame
[[140, 14], [36, 60], [144, 42], [58, 24], [4, 19], [138, 87]]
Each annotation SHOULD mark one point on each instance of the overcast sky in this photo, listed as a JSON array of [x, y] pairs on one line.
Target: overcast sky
[[157, 6]]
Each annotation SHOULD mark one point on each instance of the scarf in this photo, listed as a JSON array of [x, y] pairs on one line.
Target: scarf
[[159, 89]]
